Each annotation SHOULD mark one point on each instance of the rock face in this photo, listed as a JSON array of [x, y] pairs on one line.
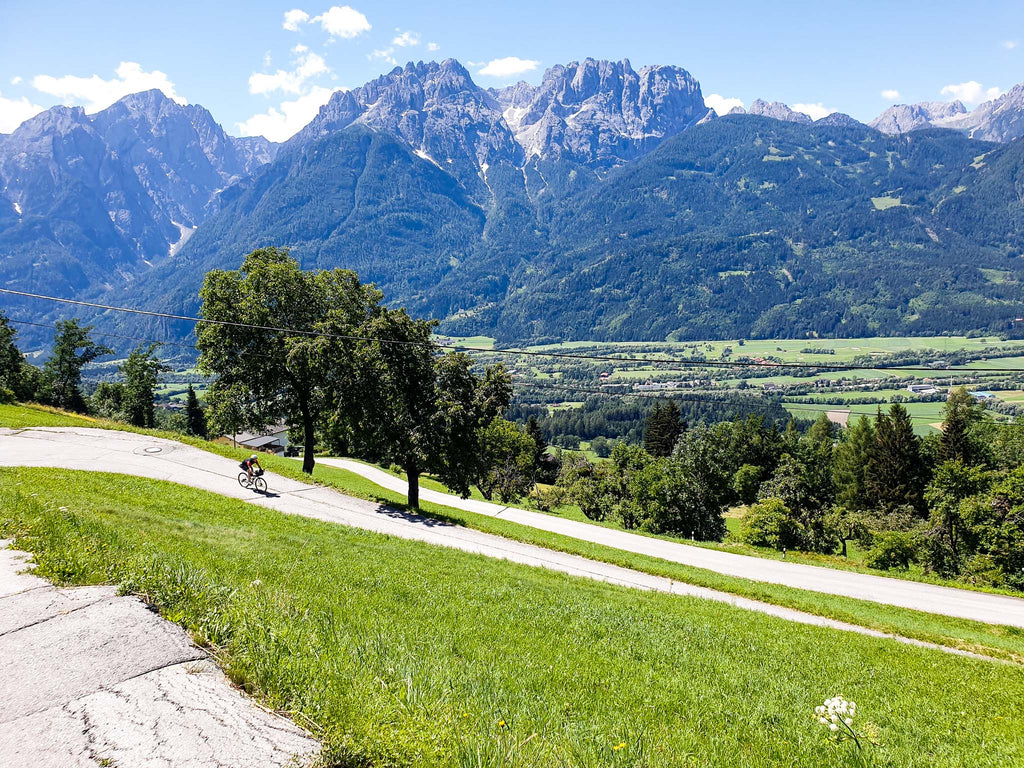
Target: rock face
[[93, 196], [594, 112], [601, 112], [1001, 119], [779, 111], [901, 118]]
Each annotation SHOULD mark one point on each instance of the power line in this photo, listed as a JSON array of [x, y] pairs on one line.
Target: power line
[[937, 372]]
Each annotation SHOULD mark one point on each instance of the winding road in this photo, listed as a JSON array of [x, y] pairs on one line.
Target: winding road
[[161, 459]]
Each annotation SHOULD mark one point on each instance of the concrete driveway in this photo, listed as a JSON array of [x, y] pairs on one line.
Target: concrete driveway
[[92, 678], [948, 601], [99, 450]]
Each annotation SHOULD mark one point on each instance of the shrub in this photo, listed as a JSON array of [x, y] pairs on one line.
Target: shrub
[[771, 524], [893, 550]]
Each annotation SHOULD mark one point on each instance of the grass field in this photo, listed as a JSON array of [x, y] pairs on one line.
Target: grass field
[[402, 654], [790, 350], [997, 641]]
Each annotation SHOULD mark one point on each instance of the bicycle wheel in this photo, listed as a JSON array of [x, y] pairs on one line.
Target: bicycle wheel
[[260, 484], [243, 479]]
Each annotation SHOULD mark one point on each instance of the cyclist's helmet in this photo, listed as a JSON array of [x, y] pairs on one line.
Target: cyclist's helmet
[[253, 456]]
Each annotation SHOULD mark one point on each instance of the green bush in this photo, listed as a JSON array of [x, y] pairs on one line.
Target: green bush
[[893, 550], [771, 524]]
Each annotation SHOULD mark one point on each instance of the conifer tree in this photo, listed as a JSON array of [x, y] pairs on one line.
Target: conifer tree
[[73, 349], [852, 457], [896, 475], [961, 413], [664, 426], [195, 418]]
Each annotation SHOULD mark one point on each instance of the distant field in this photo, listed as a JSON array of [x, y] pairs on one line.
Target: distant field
[[790, 350], [484, 342], [923, 414]]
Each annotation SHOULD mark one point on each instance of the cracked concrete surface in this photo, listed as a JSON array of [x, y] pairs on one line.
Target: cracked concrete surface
[[91, 679]]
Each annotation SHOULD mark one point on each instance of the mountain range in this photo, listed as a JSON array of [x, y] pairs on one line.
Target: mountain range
[[605, 202]]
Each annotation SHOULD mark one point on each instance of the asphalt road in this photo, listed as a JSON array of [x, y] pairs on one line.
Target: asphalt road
[[129, 453], [948, 601]]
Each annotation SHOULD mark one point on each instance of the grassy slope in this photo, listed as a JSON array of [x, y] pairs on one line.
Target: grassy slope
[[406, 654], [999, 641]]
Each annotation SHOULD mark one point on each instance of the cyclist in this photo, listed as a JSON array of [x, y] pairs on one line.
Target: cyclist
[[251, 465]]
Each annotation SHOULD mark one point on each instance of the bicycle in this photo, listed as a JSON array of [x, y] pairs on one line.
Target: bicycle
[[258, 483]]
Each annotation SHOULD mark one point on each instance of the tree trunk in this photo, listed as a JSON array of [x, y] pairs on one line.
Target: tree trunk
[[412, 471], [308, 440], [844, 546]]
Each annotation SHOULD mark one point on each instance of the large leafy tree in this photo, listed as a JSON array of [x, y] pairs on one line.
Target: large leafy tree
[[141, 373], [414, 407], [506, 461], [267, 345], [73, 349]]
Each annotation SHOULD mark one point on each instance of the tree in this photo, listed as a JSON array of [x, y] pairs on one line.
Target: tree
[[195, 418], [952, 483], [506, 461], [141, 373], [108, 399], [746, 482], [695, 488], [73, 349], [267, 341], [419, 410], [540, 445], [11, 361], [962, 413], [664, 426], [850, 466], [895, 470]]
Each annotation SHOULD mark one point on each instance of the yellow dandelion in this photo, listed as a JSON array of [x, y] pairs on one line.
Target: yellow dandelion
[[501, 724], [617, 747]]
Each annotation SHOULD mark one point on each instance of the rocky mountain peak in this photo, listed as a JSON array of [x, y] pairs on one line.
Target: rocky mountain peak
[[601, 112], [778, 111], [900, 118]]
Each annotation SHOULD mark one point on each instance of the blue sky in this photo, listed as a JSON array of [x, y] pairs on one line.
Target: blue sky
[[260, 71]]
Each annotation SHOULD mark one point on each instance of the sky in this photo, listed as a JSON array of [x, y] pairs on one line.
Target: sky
[[264, 68]]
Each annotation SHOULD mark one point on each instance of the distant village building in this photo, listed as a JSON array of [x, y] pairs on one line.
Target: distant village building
[[922, 389], [657, 386], [983, 396], [273, 440]]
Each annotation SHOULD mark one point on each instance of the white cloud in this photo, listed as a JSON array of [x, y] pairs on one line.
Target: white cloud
[[433, 47], [1010, 44], [891, 94], [300, 48], [508, 66], [971, 92], [294, 18], [383, 54], [406, 39], [95, 93], [342, 21], [309, 65], [14, 112], [814, 111], [16, 80], [722, 104], [278, 124]]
